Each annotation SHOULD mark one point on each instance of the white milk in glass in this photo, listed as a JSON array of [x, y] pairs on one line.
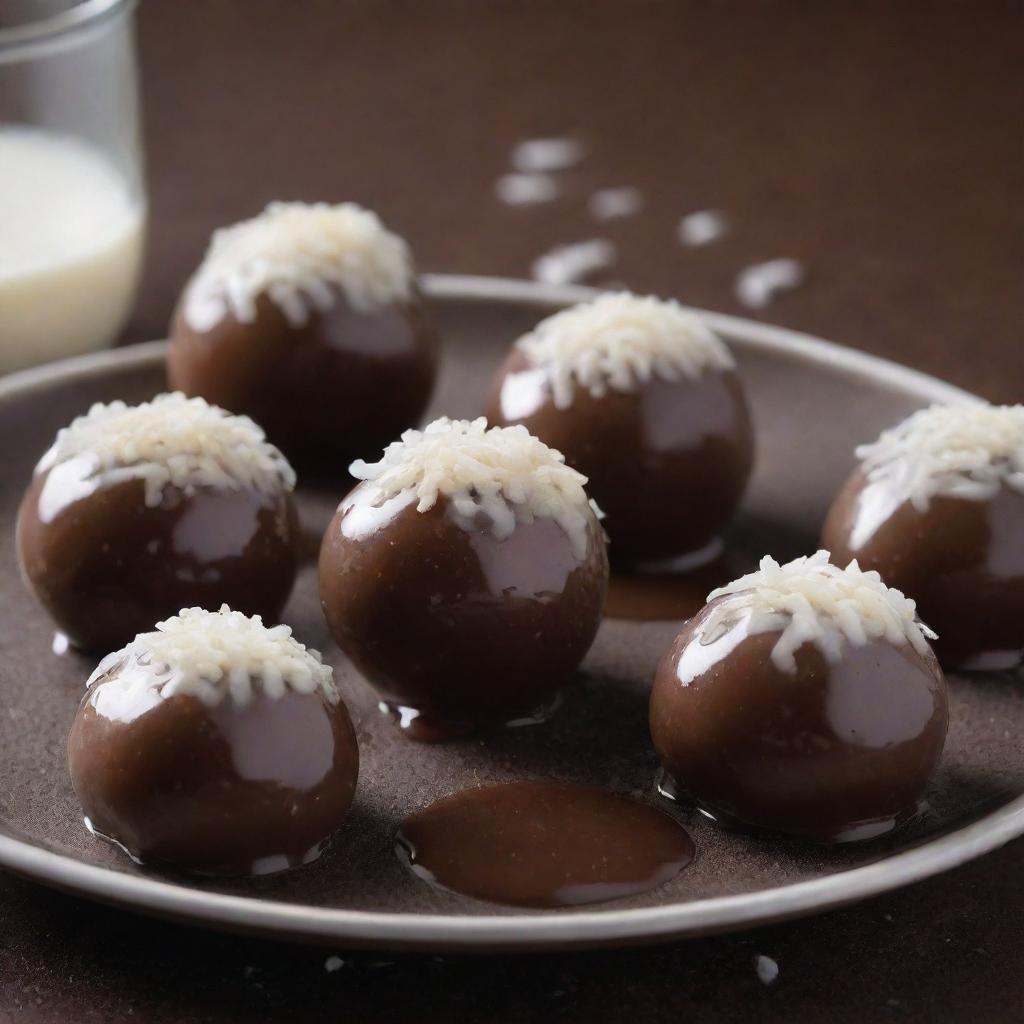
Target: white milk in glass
[[70, 247]]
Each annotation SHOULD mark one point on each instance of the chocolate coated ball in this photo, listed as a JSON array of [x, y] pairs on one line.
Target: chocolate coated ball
[[961, 560], [455, 624], [224, 789], [666, 463], [343, 384], [834, 751], [106, 565]]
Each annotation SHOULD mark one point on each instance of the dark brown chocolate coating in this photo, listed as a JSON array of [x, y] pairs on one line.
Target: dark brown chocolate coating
[[217, 790], [961, 561], [832, 752], [667, 464], [544, 844], [106, 566], [342, 386], [466, 629]]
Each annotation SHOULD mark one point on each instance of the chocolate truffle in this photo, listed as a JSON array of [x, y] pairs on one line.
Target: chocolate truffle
[[937, 507], [214, 745], [465, 576], [643, 399], [802, 699], [137, 511], [308, 318]]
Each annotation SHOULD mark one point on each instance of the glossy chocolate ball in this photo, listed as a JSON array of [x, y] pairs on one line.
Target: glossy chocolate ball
[[834, 741], [937, 507], [456, 622], [110, 539], [207, 775], [641, 398], [309, 320]]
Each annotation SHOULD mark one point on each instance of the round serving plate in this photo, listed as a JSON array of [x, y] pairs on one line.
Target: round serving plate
[[812, 402]]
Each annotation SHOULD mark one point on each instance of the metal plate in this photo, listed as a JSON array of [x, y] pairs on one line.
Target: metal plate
[[812, 402]]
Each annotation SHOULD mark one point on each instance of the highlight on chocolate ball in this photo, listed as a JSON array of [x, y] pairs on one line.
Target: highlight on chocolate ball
[[465, 576], [309, 318], [214, 744], [936, 506], [803, 699], [137, 511]]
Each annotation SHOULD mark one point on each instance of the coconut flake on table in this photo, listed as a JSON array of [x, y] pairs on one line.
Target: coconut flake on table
[[214, 656], [503, 475], [766, 968], [171, 440], [611, 203], [961, 451], [569, 264], [702, 227], [619, 341], [811, 601], [757, 285], [526, 189], [553, 154], [299, 255]]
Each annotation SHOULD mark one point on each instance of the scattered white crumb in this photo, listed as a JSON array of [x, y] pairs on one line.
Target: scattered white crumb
[[767, 969], [609, 203], [333, 963], [758, 284], [702, 227], [569, 264], [526, 189], [538, 155]]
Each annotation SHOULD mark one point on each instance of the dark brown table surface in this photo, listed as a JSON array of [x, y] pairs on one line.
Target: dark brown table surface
[[878, 143]]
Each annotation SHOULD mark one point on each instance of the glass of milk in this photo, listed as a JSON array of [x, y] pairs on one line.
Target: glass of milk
[[72, 201]]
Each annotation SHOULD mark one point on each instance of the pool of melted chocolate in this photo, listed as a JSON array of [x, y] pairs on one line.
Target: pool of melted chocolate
[[599, 736], [544, 844]]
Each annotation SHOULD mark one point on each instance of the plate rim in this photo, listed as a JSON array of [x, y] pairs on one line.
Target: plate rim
[[537, 930]]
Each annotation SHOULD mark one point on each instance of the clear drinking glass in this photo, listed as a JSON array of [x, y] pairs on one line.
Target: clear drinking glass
[[72, 200]]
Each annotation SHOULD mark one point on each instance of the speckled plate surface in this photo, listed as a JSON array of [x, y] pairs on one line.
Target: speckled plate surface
[[812, 402]]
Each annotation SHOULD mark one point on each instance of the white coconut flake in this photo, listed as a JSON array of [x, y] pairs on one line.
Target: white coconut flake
[[702, 228], [758, 284], [172, 440], [220, 655], [620, 341], [526, 189], [957, 451], [811, 601], [540, 155], [766, 968], [612, 203], [569, 264], [500, 475], [300, 255]]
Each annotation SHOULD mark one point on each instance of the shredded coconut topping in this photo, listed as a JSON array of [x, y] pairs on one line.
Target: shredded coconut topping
[[213, 655], [299, 255], [812, 601], [185, 442], [961, 451], [503, 474], [621, 341]]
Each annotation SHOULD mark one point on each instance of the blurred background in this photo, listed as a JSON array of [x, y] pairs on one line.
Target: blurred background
[[878, 144]]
